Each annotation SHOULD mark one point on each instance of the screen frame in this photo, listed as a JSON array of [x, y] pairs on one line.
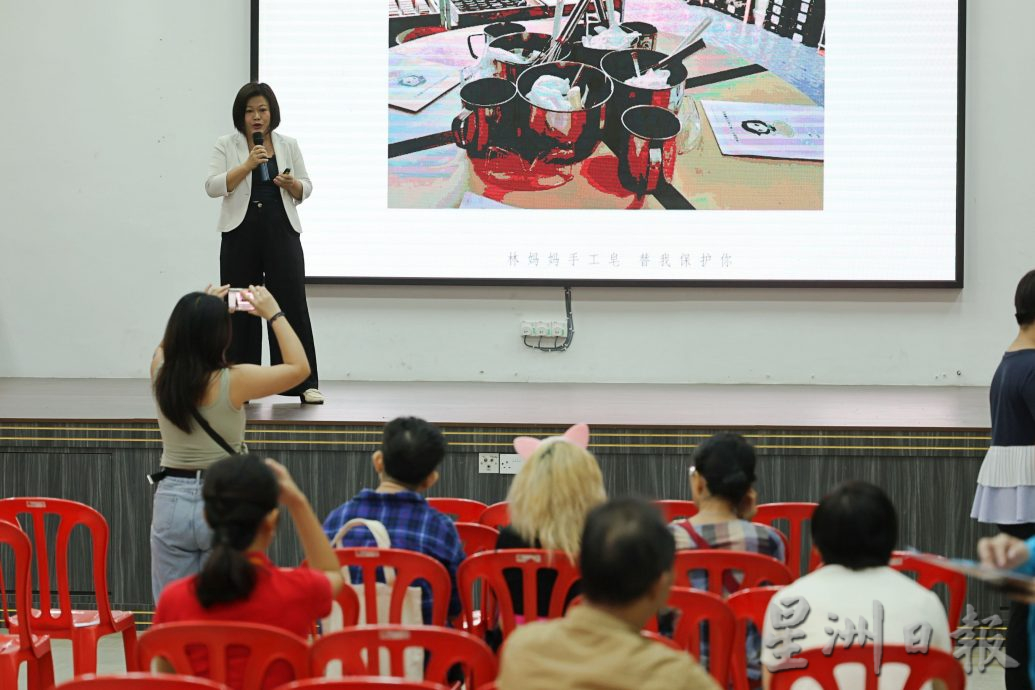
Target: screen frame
[[954, 284]]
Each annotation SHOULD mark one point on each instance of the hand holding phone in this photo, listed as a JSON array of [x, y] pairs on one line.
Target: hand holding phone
[[238, 299]]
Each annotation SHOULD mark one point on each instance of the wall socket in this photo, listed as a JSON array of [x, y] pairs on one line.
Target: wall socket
[[510, 463], [488, 463], [544, 329]]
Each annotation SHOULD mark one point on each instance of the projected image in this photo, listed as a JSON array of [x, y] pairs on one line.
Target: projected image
[[650, 105]]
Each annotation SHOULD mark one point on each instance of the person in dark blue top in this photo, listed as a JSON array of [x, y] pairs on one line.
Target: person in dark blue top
[[1005, 493]]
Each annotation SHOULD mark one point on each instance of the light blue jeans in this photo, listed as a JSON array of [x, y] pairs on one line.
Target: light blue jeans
[[180, 538]]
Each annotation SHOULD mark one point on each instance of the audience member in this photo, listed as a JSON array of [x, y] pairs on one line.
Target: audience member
[[722, 479], [626, 560], [411, 450], [1006, 551], [201, 419], [855, 528], [238, 582], [559, 483], [1005, 494]]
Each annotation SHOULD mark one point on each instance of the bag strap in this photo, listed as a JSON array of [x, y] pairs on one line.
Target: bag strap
[[212, 432], [729, 582], [381, 538]]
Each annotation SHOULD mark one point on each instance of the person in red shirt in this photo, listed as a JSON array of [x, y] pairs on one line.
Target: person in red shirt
[[238, 582]]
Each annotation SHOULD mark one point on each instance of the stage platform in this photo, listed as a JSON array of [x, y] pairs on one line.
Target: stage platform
[[501, 404], [95, 440]]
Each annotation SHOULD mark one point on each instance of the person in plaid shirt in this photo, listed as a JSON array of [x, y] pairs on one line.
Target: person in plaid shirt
[[722, 479], [411, 450]]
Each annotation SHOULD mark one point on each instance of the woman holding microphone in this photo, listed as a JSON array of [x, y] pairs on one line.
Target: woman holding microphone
[[261, 178], [200, 399]]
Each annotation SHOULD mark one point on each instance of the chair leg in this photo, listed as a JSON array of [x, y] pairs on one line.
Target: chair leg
[[84, 651], [129, 646], [9, 671], [40, 673]]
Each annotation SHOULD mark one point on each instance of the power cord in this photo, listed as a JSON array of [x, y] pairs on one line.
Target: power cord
[[567, 340]]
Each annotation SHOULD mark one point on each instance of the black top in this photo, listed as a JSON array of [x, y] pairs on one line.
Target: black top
[[510, 539], [266, 192], [1012, 399]]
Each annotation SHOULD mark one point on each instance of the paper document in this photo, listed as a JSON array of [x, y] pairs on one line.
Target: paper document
[[769, 130]]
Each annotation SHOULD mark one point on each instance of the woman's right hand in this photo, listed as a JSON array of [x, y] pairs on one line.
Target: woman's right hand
[[257, 156], [1003, 551], [264, 303]]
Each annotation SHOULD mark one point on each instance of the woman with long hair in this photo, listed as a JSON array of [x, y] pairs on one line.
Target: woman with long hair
[[238, 582], [200, 399], [549, 499]]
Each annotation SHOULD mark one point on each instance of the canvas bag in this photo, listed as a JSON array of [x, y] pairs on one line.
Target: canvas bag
[[411, 614]]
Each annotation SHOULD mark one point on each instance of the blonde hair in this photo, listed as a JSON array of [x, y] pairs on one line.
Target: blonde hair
[[552, 494]]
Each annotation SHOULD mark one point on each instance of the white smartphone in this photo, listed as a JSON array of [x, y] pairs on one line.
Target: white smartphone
[[238, 298]]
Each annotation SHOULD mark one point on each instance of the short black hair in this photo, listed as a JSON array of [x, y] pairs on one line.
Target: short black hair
[[855, 526], [412, 449], [626, 547], [246, 93], [727, 463], [1024, 300]]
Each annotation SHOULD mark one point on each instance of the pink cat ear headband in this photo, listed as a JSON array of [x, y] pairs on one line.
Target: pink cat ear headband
[[577, 435]]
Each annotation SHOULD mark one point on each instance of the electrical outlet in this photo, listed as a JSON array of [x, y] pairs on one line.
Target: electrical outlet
[[527, 328], [542, 328], [488, 463], [560, 329], [510, 463]]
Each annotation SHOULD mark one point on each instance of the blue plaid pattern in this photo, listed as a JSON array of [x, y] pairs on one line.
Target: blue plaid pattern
[[412, 524]]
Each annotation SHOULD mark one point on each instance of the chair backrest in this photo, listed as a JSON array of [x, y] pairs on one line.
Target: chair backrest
[[12, 535], [757, 570], [265, 646], [667, 641], [929, 574], [477, 537], [496, 516], [796, 515], [129, 681], [358, 650], [695, 607], [363, 683], [934, 665], [409, 567], [674, 510], [459, 509], [70, 514], [747, 605], [488, 567]]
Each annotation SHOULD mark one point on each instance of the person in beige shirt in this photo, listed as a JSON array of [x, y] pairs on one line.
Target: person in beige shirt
[[626, 561]]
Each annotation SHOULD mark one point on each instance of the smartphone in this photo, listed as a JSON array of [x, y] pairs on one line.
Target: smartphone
[[285, 171], [238, 298]]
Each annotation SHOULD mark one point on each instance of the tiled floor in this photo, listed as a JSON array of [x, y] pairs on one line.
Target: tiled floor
[[110, 660], [799, 65]]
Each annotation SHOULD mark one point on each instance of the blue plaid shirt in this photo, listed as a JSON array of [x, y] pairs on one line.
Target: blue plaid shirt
[[412, 524]]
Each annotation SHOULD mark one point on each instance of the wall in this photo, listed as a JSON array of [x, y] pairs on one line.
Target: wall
[[111, 107]]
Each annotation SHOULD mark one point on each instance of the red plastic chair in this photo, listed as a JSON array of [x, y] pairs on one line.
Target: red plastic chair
[[22, 646], [477, 537], [796, 515], [459, 509], [496, 516], [674, 510], [83, 627], [363, 683], [347, 602], [409, 566], [696, 607], [667, 641], [131, 681], [358, 650], [934, 665], [757, 570], [264, 646], [487, 568], [747, 605], [928, 575]]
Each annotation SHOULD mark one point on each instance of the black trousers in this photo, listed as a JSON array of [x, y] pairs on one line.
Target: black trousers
[[1017, 626], [265, 250]]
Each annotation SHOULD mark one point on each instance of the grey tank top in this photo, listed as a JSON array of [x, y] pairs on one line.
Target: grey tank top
[[197, 450]]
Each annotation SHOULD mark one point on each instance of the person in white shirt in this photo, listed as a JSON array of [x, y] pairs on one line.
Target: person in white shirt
[[855, 595]]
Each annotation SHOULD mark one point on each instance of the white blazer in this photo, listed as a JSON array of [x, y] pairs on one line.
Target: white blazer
[[232, 150]]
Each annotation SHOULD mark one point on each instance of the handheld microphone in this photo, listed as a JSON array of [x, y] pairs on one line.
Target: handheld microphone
[[264, 171]]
